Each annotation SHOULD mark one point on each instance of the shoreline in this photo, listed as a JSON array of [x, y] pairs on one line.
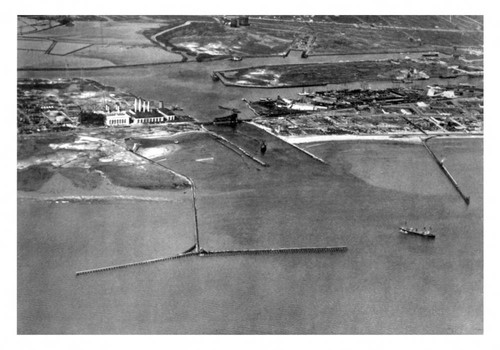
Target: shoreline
[[406, 138]]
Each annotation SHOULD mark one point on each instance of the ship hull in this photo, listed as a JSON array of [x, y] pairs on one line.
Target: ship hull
[[417, 233]]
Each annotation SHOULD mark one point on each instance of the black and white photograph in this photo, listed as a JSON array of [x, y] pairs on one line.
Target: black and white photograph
[[249, 174]]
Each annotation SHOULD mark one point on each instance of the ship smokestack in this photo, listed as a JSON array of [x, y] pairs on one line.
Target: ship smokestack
[[135, 105]]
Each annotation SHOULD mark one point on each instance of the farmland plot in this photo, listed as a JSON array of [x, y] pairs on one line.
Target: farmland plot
[[64, 48], [33, 45], [126, 55]]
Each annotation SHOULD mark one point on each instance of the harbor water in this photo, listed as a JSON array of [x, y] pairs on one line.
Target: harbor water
[[385, 283]]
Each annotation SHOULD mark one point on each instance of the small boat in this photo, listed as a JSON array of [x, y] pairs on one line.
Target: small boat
[[263, 147], [236, 58], [414, 231]]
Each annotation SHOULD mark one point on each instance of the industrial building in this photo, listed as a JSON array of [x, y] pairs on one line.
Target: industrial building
[[144, 114], [236, 21], [117, 118], [140, 115]]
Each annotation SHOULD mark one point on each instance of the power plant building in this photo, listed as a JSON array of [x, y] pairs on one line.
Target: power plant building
[[140, 115], [117, 118]]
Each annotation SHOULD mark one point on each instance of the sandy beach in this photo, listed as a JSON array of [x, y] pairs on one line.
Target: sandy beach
[[406, 138]]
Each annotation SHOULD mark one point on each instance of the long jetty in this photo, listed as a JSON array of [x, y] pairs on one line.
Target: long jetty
[[289, 143], [223, 141], [446, 172], [193, 193], [215, 253], [275, 251], [145, 262]]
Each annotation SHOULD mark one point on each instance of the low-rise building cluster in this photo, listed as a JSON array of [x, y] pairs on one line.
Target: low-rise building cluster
[[391, 111]]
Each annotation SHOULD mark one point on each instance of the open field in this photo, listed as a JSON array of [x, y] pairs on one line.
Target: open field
[[101, 32], [373, 33], [33, 44], [217, 39], [329, 73], [88, 157], [64, 48], [125, 40], [35, 59], [128, 54], [421, 22], [113, 43]]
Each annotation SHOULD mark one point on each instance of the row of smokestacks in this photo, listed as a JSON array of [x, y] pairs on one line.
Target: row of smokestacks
[[141, 105]]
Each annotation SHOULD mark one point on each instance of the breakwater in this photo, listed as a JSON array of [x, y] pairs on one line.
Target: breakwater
[[288, 143], [207, 253], [274, 251], [235, 148], [446, 172], [123, 266]]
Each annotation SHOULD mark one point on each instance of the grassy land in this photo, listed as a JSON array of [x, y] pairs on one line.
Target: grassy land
[[252, 40], [147, 176], [332, 73], [33, 178], [339, 35], [82, 178], [28, 146], [38, 162]]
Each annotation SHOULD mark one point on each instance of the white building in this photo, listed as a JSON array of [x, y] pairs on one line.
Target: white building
[[117, 118]]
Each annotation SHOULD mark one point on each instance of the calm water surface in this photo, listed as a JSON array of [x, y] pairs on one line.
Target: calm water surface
[[386, 283]]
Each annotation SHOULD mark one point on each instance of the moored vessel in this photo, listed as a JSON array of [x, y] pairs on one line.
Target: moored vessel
[[413, 231]]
